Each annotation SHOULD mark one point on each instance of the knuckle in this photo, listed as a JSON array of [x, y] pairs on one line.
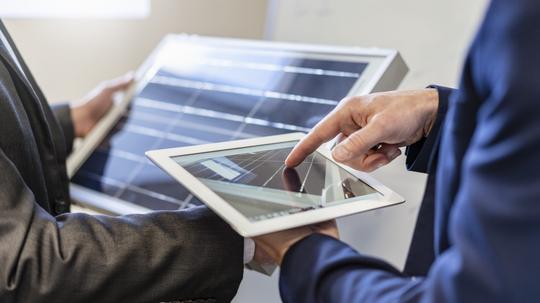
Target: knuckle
[[362, 166], [348, 100], [351, 101], [354, 141], [382, 123]]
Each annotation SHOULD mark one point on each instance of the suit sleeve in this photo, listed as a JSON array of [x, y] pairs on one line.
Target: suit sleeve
[[495, 220], [322, 269], [62, 113], [163, 256], [422, 155]]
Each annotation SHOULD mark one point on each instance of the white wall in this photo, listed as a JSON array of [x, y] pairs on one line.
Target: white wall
[[69, 57]]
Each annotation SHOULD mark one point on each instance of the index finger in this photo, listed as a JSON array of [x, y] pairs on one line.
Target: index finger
[[323, 132]]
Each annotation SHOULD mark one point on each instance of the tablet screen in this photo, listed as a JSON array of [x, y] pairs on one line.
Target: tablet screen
[[256, 182]]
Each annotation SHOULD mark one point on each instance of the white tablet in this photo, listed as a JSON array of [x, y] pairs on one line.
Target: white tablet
[[247, 183]]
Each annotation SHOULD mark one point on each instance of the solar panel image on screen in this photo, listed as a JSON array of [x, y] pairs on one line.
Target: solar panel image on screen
[[256, 182], [199, 94]]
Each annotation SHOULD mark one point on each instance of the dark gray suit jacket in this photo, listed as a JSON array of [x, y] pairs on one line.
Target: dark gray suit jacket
[[49, 255]]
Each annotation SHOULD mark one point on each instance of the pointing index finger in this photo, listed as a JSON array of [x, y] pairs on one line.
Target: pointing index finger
[[323, 132]]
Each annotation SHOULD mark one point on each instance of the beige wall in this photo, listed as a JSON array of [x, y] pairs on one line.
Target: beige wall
[[69, 57]]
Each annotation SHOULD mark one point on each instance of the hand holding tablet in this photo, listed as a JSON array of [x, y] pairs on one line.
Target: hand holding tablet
[[247, 183]]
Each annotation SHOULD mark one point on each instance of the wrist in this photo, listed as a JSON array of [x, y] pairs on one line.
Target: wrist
[[283, 249], [431, 105], [81, 121], [278, 253], [276, 245]]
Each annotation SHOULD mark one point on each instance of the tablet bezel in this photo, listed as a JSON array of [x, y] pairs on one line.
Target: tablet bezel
[[164, 158]]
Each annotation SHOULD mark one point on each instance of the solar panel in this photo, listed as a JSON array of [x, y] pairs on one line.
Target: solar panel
[[201, 90]]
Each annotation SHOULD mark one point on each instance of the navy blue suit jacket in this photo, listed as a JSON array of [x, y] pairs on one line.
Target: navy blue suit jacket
[[484, 185]]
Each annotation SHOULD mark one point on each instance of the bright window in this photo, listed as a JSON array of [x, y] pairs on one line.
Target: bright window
[[74, 8]]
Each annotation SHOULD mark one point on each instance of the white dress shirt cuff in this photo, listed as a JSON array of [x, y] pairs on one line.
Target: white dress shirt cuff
[[249, 250]]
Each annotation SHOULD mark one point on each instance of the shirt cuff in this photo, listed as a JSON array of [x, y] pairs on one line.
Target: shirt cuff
[[249, 250]]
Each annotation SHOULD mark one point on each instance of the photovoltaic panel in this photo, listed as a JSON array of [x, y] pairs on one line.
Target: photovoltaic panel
[[205, 94]]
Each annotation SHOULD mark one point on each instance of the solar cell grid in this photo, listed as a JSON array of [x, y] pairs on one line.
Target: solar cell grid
[[255, 181], [224, 95], [267, 169]]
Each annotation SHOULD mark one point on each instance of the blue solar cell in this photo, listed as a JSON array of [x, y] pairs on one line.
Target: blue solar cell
[[253, 130], [227, 103], [96, 183], [316, 86], [109, 166], [239, 76], [151, 178], [131, 138], [331, 65], [170, 94], [148, 201], [138, 108], [219, 122], [201, 133], [166, 143], [302, 114]]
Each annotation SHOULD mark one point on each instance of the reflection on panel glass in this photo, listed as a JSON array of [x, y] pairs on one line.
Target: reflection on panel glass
[[256, 182], [200, 94]]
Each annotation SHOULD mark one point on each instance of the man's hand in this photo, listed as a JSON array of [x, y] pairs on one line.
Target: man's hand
[[372, 128], [277, 244], [87, 113]]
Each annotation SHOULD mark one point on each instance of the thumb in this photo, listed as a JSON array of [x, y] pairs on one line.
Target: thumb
[[119, 84], [359, 143]]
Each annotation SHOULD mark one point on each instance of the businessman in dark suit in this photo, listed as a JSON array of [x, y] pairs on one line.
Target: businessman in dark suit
[[50, 255], [481, 148]]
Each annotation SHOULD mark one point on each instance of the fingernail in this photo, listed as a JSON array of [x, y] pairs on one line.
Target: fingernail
[[341, 153]]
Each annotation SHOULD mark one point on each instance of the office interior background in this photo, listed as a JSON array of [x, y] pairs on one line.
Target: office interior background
[[69, 53]]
